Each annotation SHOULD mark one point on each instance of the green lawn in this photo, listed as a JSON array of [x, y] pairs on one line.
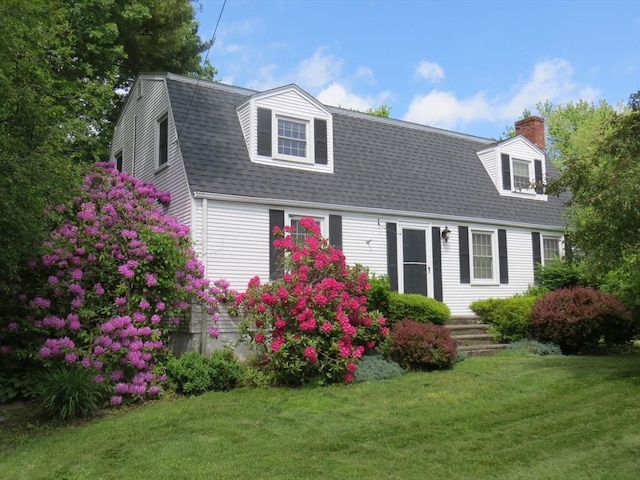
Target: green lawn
[[509, 417]]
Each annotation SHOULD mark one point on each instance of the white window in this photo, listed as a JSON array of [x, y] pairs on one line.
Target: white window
[[162, 136], [522, 174], [550, 249], [299, 234], [291, 136], [483, 256]]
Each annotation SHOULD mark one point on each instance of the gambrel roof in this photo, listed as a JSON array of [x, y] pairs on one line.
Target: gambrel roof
[[379, 163]]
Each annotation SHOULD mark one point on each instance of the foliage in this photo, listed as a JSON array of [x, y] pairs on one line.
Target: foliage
[[116, 277], [69, 391], [226, 371], [17, 384], [416, 345], [597, 149], [65, 66], [376, 367], [379, 294], [578, 319], [417, 307], [534, 347], [383, 110], [312, 325], [560, 273], [194, 373], [508, 317]]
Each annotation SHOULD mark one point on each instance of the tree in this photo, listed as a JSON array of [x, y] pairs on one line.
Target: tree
[[597, 149], [383, 110], [64, 65]]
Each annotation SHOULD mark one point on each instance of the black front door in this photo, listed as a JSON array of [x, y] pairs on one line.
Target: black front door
[[414, 261]]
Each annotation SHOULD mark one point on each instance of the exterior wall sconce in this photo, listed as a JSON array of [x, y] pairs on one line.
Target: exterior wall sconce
[[445, 234]]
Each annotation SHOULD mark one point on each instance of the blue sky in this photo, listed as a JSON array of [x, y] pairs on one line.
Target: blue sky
[[464, 65]]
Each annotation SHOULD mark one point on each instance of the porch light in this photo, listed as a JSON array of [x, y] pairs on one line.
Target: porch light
[[445, 234]]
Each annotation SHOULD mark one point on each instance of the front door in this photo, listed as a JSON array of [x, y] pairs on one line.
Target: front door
[[414, 261]]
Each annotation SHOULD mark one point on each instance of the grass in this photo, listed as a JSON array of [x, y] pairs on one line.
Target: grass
[[505, 417]]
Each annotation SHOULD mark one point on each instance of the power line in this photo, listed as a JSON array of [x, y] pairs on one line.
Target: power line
[[206, 57]]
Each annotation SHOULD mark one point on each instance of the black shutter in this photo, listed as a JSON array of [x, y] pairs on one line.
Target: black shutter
[[320, 141], [335, 231], [392, 255], [537, 166], [537, 254], [465, 271], [276, 256], [264, 132], [436, 244], [506, 172], [502, 256]]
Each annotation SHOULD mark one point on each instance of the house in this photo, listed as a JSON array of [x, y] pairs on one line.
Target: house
[[448, 215]]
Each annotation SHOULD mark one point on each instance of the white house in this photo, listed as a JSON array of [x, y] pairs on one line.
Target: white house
[[448, 215]]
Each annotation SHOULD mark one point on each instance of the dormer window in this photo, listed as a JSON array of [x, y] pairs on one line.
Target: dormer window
[[520, 175], [286, 127], [292, 138]]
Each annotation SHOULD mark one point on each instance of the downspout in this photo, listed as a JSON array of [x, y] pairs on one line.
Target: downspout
[[135, 139], [203, 240]]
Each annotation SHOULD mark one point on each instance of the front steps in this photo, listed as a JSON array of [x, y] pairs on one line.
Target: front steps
[[471, 336]]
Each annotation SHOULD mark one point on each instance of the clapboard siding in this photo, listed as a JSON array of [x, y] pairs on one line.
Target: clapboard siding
[[365, 242]]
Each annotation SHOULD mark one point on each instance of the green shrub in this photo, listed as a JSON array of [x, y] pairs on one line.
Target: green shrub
[[560, 273], [416, 345], [69, 392], [194, 373], [578, 319], [226, 371], [413, 306], [378, 295], [508, 317], [534, 347], [376, 367]]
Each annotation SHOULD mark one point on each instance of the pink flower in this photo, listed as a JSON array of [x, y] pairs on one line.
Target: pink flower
[[348, 378], [116, 400], [352, 367], [310, 353], [326, 327]]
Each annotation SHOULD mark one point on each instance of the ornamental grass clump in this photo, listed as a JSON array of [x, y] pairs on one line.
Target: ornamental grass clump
[[116, 277], [312, 326]]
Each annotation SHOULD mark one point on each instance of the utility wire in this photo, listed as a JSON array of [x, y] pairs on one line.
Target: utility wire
[[206, 57]]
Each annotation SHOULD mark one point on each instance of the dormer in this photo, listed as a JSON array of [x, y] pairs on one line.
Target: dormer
[[287, 127], [517, 165]]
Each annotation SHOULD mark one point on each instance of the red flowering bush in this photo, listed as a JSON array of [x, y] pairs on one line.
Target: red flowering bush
[[312, 326], [417, 345], [578, 319], [117, 275]]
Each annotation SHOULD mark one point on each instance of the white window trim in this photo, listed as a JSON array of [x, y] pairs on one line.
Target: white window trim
[[309, 140], [550, 237], [323, 219], [400, 253], [495, 266], [530, 165], [159, 120]]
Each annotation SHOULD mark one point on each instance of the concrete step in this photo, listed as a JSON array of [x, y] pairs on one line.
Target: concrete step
[[482, 350], [474, 339], [468, 329], [464, 320]]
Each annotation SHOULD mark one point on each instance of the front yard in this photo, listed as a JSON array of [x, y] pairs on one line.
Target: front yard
[[509, 416]]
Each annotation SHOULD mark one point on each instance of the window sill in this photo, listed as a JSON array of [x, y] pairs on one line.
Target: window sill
[[161, 168]]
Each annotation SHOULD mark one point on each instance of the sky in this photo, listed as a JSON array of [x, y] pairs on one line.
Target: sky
[[462, 65]]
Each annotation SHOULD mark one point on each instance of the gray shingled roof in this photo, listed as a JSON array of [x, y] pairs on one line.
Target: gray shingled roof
[[378, 163]]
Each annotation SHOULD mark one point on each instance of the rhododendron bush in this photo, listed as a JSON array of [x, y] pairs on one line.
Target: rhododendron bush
[[312, 325], [117, 276]]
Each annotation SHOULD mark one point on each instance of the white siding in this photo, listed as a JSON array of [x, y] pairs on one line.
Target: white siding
[[489, 159], [136, 136], [237, 247], [365, 242], [244, 116], [292, 103]]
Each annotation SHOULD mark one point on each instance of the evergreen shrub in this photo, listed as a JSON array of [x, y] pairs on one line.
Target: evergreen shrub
[[416, 307]]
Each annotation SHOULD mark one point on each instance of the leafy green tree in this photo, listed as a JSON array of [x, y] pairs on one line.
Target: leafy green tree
[[65, 66], [383, 110]]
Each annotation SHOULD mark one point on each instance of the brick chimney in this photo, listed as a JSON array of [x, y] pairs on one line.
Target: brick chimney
[[532, 128]]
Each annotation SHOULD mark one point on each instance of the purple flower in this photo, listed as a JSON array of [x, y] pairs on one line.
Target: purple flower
[[150, 279], [70, 357], [116, 400], [144, 304], [76, 274], [5, 349], [40, 302], [53, 280], [98, 289], [12, 326], [120, 301]]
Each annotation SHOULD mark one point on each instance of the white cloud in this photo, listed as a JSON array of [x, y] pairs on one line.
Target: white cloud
[[550, 80], [317, 71], [430, 71], [364, 72], [338, 95]]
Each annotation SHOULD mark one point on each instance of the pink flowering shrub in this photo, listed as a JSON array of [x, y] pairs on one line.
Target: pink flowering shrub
[[118, 275], [311, 326]]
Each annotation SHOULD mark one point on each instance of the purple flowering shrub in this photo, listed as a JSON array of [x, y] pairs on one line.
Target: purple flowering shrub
[[311, 326], [118, 275]]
